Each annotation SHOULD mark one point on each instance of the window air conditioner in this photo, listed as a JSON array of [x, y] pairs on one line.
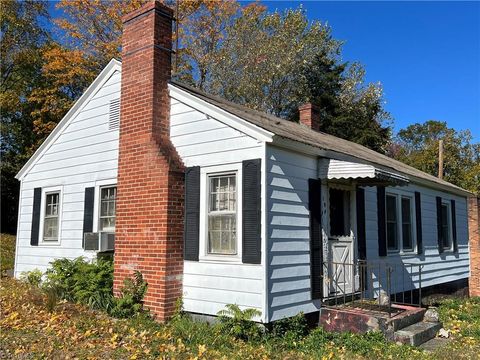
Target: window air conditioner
[[107, 241], [90, 241]]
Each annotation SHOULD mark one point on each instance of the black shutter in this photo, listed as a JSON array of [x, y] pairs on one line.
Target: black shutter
[[192, 213], [439, 224], [316, 246], [251, 203], [454, 225], [37, 203], [88, 209], [418, 222], [382, 225], [361, 230]]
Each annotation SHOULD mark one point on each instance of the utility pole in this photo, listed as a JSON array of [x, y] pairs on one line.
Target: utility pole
[[440, 159]]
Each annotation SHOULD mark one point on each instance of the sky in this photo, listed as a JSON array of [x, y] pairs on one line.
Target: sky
[[426, 54]]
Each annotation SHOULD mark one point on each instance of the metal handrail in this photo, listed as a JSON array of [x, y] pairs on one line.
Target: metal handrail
[[382, 282]]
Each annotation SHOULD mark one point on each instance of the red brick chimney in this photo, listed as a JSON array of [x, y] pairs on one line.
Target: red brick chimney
[[474, 242], [149, 223], [310, 116]]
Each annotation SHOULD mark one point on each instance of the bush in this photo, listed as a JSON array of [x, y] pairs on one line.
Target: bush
[[131, 301], [33, 277], [238, 322], [291, 330], [83, 282]]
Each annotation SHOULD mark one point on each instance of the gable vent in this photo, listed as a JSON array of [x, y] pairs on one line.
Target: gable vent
[[114, 115]]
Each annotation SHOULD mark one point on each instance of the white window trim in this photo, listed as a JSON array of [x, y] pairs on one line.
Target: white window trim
[[45, 191], [205, 172], [399, 195], [450, 229], [99, 204]]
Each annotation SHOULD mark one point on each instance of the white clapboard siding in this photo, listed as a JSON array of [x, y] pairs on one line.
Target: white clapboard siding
[[84, 152], [288, 232], [204, 141], [437, 268]]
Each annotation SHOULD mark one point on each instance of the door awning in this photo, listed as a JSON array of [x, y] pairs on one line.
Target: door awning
[[363, 174]]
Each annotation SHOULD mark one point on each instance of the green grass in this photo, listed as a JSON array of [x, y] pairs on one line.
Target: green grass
[[7, 252]]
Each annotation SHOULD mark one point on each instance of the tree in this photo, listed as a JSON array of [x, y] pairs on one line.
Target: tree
[[22, 39], [417, 145]]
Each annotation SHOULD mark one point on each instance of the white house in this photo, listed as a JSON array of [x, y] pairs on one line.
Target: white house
[[267, 208]]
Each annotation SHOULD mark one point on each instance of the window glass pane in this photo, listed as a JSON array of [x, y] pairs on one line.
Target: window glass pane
[[406, 223], [50, 223], [222, 215], [391, 208], [392, 230], [108, 196], [445, 227], [339, 212]]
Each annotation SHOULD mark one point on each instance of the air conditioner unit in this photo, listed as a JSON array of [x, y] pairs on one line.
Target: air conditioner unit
[[90, 241], [107, 241]]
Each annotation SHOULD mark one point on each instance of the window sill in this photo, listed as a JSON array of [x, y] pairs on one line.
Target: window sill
[[231, 259], [49, 243], [402, 252]]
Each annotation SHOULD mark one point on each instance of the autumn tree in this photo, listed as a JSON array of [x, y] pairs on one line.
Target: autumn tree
[[417, 145], [21, 41]]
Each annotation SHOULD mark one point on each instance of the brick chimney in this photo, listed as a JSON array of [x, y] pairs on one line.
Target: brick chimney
[[474, 242], [310, 116], [149, 223]]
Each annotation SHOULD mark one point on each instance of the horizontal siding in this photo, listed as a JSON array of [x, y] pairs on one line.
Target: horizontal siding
[[288, 232], [85, 151], [436, 268], [204, 141]]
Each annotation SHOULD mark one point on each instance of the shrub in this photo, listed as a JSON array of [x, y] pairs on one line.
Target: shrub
[[131, 301], [238, 322], [33, 277], [291, 330], [79, 281]]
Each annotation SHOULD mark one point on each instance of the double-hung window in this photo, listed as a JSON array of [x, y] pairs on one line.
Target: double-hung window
[[51, 217], [399, 222], [108, 202], [222, 214]]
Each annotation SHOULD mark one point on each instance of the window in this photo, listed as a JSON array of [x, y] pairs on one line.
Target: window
[[392, 223], [50, 222], [407, 231], [339, 212], [222, 215], [446, 234], [399, 219], [108, 199]]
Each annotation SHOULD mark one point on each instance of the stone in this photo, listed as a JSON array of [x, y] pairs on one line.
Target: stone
[[443, 333], [431, 315], [383, 298]]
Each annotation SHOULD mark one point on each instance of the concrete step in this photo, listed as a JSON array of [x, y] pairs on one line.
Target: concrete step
[[435, 344], [409, 317], [418, 333]]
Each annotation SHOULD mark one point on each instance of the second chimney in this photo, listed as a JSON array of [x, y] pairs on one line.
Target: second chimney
[[310, 116]]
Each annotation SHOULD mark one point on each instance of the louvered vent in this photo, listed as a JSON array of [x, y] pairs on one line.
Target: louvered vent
[[114, 120]]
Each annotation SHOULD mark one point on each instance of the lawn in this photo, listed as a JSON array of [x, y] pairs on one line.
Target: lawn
[[7, 252], [29, 330]]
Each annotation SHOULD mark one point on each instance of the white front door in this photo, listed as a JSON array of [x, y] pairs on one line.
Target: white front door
[[341, 251]]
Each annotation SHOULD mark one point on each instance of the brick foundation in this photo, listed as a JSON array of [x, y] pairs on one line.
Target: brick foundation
[[149, 224], [474, 241]]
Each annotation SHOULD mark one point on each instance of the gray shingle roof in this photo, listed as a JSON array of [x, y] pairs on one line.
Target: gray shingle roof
[[301, 133]]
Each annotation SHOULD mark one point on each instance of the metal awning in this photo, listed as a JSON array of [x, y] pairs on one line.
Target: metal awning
[[363, 174]]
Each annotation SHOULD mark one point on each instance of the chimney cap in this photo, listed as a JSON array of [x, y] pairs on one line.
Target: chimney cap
[[147, 7]]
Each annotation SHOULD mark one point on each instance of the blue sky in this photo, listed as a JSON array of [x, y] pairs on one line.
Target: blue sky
[[426, 54]]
